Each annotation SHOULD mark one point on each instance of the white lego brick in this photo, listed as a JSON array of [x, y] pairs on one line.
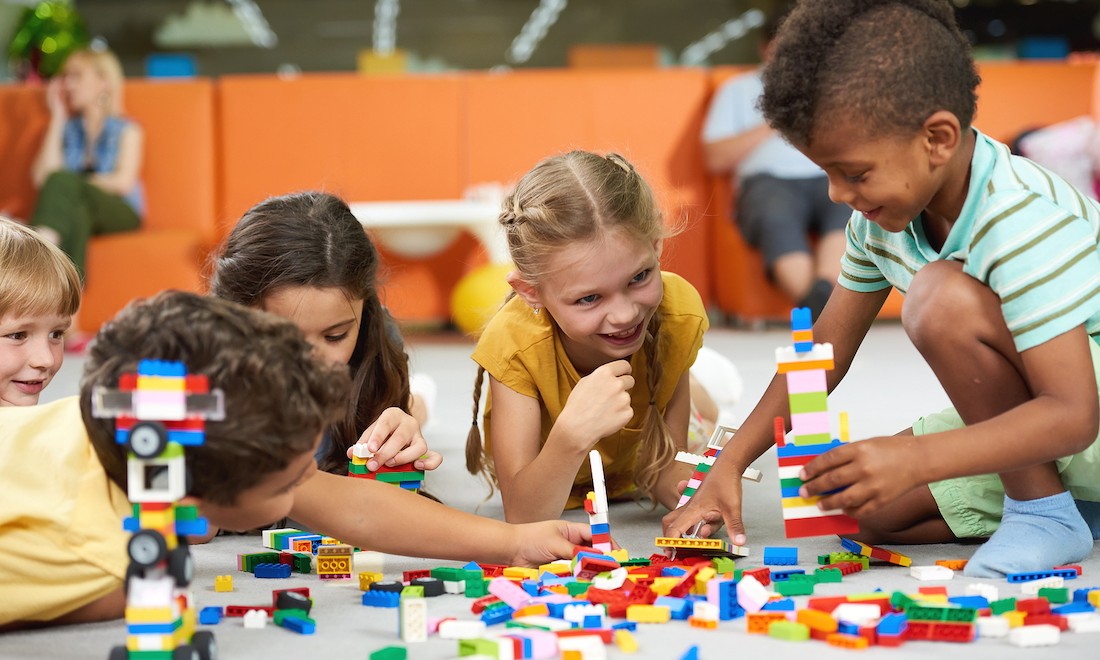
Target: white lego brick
[[267, 535], [927, 573], [591, 647], [151, 592], [598, 518], [751, 595], [858, 613], [1041, 635], [359, 450], [1032, 587], [255, 619], [701, 609], [456, 629], [992, 626], [598, 485], [611, 580], [787, 354], [577, 613], [505, 648], [1083, 622], [545, 622], [988, 591], [452, 587], [414, 620], [692, 459]]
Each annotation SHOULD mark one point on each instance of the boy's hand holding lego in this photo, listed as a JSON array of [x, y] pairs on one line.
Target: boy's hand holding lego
[[395, 439], [598, 406], [716, 502], [868, 474]]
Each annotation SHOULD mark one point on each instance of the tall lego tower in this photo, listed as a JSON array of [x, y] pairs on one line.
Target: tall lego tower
[[805, 364]]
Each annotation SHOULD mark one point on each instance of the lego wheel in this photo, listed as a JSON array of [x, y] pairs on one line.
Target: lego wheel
[[148, 439], [185, 652], [119, 653], [203, 642], [180, 565], [292, 600], [147, 548]]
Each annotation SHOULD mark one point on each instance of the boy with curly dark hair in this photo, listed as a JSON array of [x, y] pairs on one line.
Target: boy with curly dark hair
[[64, 474], [999, 262]]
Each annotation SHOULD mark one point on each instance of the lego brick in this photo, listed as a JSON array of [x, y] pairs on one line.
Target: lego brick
[[1029, 636], [789, 630], [931, 572], [1066, 573], [780, 556]]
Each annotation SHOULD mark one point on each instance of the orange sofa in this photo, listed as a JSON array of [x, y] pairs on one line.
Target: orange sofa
[[169, 249], [1013, 97]]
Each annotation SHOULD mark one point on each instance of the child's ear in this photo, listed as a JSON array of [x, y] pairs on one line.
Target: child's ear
[[524, 289], [658, 246], [943, 136]]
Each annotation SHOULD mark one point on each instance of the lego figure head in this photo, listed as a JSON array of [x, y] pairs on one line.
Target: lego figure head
[[278, 398], [39, 293]]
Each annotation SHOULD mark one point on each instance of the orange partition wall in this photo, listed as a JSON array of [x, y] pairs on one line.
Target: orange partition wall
[[178, 172], [363, 138], [1017, 96], [515, 119]]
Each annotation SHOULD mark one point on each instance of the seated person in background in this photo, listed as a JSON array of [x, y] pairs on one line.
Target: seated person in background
[[39, 293], [781, 195], [64, 474], [87, 167]]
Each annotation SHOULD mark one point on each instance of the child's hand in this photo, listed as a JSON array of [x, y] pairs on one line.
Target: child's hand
[[55, 99], [542, 542], [873, 473], [718, 500], [395, 439], [600, 403]]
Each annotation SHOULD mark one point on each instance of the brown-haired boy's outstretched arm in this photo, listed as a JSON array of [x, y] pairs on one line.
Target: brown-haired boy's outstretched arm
[[378, 516]]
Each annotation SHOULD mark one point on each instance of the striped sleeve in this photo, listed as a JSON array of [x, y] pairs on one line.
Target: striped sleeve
[[858, 272], [1041, 260]]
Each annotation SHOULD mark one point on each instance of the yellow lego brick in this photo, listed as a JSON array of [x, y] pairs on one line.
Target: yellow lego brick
[[572, 654], [648, 613], [539, 609], [328, 540], [223, 583], [149, 614], [521, 573], [620, 555], [817, 620], [932, 599], [555, 568], [1015, 618], [662, 585], [161, 384], [789, 502], [701, 578], [1094, 598], [625, 641], [695, 544], [366, 579]]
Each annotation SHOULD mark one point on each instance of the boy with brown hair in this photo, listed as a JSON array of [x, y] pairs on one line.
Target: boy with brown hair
[[65, 476]]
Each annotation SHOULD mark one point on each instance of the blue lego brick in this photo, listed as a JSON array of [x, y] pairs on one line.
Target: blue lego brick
[[286, 541], [601, 528], [1064, 573], [892, 624], [187, 438], [680, 608], [803, 346], [592, 621], [788, 450], [975, 602], [196, 527], [801, 319], [153, 628], [625, 625], [1073, 608], [299, 625], [381, 598], [168, 368], [780, 556], [851, 546], [409, 485], [692, 654], [595, 555], [847, 628], [496, 615], [272, 570], [789, 491], [210, 615], [472, 566], [673, 571], [781, 605], [549, 580], [1082, 595], [784, 574], [557, 610], [531, 587]]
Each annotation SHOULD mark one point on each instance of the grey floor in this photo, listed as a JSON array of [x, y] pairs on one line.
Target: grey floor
[[886, 389]]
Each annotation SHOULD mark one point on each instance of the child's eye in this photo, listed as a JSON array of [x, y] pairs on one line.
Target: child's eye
[[16, 336], [588, 300], [336, 339], [856, 178], [641, 277], [57, 335]]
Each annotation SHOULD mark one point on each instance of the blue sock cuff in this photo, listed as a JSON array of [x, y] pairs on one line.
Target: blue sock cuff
[[1042, 505]]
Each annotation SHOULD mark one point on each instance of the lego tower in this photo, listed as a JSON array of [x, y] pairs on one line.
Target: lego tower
[[805, 364]]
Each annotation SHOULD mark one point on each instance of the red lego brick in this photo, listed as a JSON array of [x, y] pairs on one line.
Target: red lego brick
[[409, 576], [1033, 606], [825, 603], [824, 526], [1050, 619], [763, 575]]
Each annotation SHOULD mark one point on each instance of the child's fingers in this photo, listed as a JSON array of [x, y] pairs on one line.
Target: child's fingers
[[826, 472], [617, 368], [429, 461], [409, 454]]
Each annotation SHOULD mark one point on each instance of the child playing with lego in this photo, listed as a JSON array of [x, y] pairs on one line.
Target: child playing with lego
[[593, 352], [998, 261], [39, 293], [305, 257], [64, 474]]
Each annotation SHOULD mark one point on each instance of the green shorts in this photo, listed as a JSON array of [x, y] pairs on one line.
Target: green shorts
[[972, 506]]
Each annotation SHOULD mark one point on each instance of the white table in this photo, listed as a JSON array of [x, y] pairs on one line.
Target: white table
[[422, 228]]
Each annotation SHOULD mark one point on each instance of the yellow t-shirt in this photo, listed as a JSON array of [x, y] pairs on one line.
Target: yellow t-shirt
[[62, 545], [525, 353]]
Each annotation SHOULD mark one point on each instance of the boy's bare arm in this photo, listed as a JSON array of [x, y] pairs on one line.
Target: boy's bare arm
[[388, 519], [1061, 419], [844, 322]]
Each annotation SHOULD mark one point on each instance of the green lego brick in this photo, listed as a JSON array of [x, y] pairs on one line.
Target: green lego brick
[[301, 614], [1056, 595], [577, 588], [790, 631], [812, 439], [689, 492], [824, 559], [960, 615], [737, 573], [702, 467], [357, 469], [809, 402], [303, 563], [791, 587], [449, 574], [150, 655], [476, 588], [792, 482], [837, 557], [390, 653], [413, 591], [398, 477], [636, 561], [826, 575], [723, 565], [189, 512], [899, 601], [249, 561], [485, 647], [1003, 605]]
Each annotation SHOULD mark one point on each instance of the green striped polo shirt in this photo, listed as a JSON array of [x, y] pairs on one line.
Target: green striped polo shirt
[[1023, 231]]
